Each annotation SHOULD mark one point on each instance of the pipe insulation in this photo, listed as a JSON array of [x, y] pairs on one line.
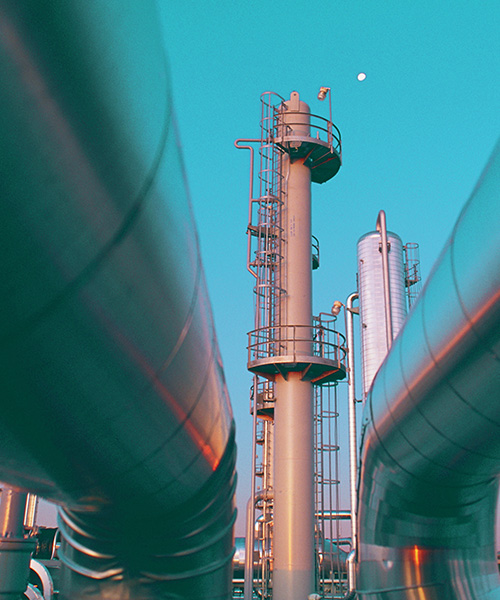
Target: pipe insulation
[[114, 403], [431, 432]]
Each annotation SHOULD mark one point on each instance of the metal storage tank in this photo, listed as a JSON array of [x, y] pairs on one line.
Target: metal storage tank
[[371, 299]]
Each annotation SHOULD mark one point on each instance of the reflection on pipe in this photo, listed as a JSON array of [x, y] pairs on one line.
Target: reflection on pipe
[[431, 442], [109, 355]]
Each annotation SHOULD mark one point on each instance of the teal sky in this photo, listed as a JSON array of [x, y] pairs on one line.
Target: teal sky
[[416, 133]]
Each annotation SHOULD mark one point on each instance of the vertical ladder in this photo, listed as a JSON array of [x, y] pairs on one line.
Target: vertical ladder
[[265, 257], [268, 231], [263, 448], [327, 492], [330, 556]]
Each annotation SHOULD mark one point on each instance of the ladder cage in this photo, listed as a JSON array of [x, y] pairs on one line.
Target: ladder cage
[[413, 277], [262, 400], [268, 231], [331, 580]]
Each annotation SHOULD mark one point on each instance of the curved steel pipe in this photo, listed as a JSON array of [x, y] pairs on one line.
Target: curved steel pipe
[[113, 395], [382, 229], [353, 442], [431, 443]]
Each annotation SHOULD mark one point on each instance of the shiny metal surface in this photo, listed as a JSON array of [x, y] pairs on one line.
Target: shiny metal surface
[[43, 574], [372, 307], [31, 511], [293, 510], [106, 334], [350, 311], [382, 229], [431, 441], [12, 508]]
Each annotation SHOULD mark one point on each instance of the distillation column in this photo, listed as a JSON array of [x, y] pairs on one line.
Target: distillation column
[[285, 353], [293, 478]]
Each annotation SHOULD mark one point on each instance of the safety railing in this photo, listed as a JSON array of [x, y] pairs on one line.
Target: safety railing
[[319, 340], [320, 129]]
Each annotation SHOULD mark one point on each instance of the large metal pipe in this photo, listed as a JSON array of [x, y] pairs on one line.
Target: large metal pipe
[[431, 443], [114, 403]]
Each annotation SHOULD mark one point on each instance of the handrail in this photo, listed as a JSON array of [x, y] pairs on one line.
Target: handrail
[[331, 130], [316, 127], [251, 199], [283, 340]]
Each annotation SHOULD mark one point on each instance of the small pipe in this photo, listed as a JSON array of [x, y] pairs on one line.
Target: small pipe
[[31, 511], [249, 543], [246, 147], [330, 132], [341, 515], [382, 229], [351, 574], [353, 449], [249, 539], [251, 199]]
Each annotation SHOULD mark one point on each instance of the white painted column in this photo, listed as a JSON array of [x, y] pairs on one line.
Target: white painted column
[[293, 577]]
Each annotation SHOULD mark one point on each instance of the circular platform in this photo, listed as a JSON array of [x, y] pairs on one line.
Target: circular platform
[[316, 369], [323, 160]]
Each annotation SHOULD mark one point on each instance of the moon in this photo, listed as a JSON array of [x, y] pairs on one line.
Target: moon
[[361, 76]]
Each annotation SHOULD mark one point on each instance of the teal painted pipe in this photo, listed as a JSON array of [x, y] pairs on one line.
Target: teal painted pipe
[[113, 398]]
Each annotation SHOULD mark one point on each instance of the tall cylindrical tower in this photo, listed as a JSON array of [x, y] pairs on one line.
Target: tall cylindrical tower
[[285, 347], [372, 302], [293, 413]]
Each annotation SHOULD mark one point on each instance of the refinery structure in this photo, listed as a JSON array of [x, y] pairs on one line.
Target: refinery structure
[[115, 403], [289, 354]]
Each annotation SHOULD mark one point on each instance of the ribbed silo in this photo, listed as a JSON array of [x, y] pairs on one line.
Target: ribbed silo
[[372, 301]]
